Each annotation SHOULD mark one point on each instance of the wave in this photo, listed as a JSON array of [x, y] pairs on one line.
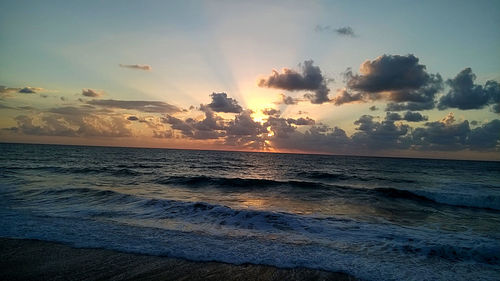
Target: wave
[[205, 219], [320, 175], [114, 204], [200, 181], [477, 200], [480, 201], [82, 170], [483, 201]]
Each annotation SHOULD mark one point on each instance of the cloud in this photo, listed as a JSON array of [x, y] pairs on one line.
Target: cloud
[[271, 112], [211, 127], [137, 66], [72, 110], [343, 31], [317, 138], [346, 31], [465, 95], [448, 119], [408, 116], [6, 91], [28, 90], [373, 108], [372, 135], [447, 134], [244, 125], [389, 73], [399, 79], [288, 100], [310, 79], [143, 106], [91, 93], [178, 124], [301, 121], [442, 135], [280, 127], [80, 123], [244, 132], [344, 96], [380, 135], [485, 137], [221, 103]]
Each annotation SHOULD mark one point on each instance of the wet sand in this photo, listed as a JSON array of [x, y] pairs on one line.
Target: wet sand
[[40, 260]]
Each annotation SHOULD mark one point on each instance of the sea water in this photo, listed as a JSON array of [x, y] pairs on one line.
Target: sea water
[[374, 218]]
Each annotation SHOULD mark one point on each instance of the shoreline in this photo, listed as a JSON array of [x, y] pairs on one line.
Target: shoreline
[[26, 259]]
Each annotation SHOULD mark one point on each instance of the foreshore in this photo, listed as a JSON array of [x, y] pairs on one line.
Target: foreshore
[[40, 260]]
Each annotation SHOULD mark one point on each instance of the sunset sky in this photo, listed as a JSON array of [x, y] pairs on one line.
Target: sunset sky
[[385, 78]]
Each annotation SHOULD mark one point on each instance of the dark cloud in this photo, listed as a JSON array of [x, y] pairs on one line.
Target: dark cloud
[[310, 79], [280, 127], [393, 116], [414, 117], [344, 31], [485, 137], [380, 135], [447, 134], [27, 90], [496, 108], [344, 96], [283, 127], [287, 100], [6, 91], [464, 94], [373, 108], [371, 134], [408, 116], [399, 79], [301, 121], [91, 93], [137, 66], [178, 124], [144, 106], [244, 125], [318, 138], [221, 103], [209, 128], [389, 73], [441, 135], [244, 132], [271, 112]]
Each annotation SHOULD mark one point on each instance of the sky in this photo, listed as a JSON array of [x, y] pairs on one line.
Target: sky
[[381, 78]]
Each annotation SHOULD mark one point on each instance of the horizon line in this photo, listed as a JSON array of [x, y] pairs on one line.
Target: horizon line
[[255, 151]]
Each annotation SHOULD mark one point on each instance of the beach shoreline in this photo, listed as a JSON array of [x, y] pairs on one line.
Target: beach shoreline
[[23, 259]]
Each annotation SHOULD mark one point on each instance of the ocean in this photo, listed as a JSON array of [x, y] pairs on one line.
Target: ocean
[[374, 218]]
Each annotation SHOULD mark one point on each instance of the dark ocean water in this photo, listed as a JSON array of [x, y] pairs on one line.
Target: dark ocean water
[[375, 218]]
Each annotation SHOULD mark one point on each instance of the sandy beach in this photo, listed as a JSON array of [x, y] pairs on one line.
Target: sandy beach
[[40, 260]]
